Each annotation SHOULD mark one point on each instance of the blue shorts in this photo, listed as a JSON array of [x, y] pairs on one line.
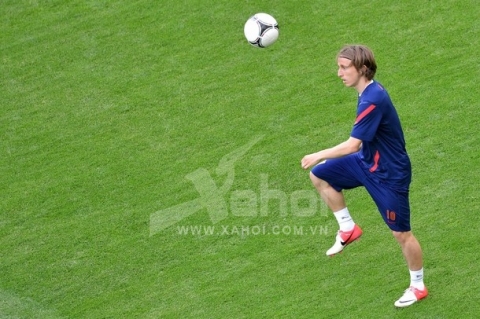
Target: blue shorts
[[349, 172]]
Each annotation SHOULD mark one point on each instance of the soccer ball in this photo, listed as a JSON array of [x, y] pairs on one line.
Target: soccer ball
[[261, 30]]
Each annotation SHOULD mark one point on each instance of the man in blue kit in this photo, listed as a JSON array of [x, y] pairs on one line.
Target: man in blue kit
[[374, 156]]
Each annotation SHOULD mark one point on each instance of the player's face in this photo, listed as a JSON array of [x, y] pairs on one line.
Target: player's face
[[348, 73]]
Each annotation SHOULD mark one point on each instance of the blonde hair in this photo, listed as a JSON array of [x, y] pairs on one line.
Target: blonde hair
[[362, 59]]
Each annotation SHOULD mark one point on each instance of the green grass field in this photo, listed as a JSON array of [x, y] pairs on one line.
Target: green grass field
[[150, 159]]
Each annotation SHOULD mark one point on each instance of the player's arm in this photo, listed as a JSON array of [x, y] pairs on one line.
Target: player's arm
[[350, 146]]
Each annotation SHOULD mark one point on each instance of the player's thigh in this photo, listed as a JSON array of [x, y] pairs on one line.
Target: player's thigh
[[393, 205], [340, 173]]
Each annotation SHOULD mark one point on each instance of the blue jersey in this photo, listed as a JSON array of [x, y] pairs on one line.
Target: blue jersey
[[383, 150]]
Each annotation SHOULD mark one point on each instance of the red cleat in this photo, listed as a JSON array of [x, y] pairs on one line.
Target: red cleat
[[411, 296], [343, 239]]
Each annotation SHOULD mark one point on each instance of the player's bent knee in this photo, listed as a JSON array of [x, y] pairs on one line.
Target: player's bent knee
[[314, 178], [317, 181]]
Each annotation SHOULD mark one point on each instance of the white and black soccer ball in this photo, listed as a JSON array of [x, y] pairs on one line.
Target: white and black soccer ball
[[261, 30]]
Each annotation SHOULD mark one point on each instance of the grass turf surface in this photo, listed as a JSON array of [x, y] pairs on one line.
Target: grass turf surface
[[109, 107]]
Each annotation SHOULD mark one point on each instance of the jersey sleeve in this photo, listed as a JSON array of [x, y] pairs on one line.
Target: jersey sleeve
[[366, 124]]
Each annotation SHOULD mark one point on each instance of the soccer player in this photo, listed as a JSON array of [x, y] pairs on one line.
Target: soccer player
[[374, 156]]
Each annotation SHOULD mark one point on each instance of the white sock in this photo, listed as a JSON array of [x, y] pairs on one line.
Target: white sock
[[344, 219], [416, 279]]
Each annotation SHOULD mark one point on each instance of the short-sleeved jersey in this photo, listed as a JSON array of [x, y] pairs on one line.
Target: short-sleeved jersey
[[378, 126]]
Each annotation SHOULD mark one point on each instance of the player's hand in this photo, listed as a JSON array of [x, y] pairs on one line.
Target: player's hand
[[310, 160]]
